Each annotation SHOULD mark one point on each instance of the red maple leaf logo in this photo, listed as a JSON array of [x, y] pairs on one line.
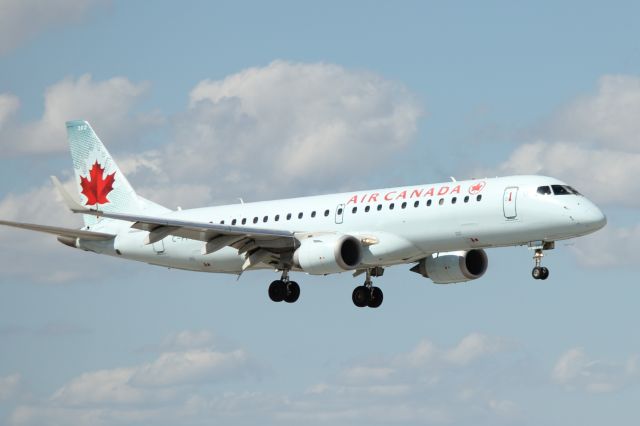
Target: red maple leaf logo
[[474, 189], [95, 187]]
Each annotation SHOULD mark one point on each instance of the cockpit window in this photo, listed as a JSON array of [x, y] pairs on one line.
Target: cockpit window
[[573, 190], [545, 190], [561, 190]]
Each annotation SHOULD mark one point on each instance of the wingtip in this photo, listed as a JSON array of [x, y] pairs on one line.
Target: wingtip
[[68, 199]]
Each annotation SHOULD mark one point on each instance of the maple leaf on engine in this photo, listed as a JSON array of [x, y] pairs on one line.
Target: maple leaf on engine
[[95, 187]]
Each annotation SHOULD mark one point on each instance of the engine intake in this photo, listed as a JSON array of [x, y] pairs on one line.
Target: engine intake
[[328, 254], [453, 267]]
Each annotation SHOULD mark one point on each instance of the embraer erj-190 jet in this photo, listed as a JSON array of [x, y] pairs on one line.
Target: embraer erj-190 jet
[[442, 229]]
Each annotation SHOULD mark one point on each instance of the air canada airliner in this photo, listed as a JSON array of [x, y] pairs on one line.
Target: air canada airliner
[[441, 229]]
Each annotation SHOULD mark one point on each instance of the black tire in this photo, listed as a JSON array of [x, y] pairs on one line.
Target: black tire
[[376, 298], [545, 273], [277, 291], [536, 273], [293, 292], [361, 296]]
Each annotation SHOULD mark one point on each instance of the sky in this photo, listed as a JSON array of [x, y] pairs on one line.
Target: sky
[[204, 102]]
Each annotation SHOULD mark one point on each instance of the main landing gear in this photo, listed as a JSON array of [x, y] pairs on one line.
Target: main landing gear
[[367, 294], [284, 290], [540, 272]]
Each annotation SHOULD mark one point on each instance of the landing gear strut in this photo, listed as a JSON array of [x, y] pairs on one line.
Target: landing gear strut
[[540, 272], [284, 289], [367, 294]]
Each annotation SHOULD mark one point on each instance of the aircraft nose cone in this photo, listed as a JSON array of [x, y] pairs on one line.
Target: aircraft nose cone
[[594, 218]]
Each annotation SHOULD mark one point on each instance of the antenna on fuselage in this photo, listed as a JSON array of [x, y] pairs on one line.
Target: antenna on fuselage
[[241, 200], [453, 179]]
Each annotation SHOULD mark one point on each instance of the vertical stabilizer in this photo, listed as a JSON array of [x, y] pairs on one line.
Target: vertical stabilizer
[[100, 182]]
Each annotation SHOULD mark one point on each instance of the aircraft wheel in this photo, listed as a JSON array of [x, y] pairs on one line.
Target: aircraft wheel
[[278, 291], [545, 273], [293, 292], [536, 273], [361, 296], [375, 298]]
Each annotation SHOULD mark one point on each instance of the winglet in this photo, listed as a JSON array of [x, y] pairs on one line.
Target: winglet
[[68, 199]]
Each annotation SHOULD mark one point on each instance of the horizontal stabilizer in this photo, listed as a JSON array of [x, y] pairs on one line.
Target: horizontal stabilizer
[[62, 232]]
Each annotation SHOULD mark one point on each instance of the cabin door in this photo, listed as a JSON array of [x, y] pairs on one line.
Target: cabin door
[[509, 202]]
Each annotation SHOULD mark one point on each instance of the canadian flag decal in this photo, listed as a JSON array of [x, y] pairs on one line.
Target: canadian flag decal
[[96, 187]]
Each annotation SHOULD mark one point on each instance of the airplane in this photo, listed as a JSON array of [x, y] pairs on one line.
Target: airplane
[[441, 229]]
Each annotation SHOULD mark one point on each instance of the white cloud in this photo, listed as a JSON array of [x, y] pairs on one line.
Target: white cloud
[[575, 370], [289, 128], [195, 366], [9, 385], [106, 387], [184, 387], [473, 347], [106, 104], [607, 118], [21, 20], [161, 391]]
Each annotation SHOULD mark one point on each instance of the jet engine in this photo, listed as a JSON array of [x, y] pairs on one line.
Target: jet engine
[[453, 267], [328, 254]]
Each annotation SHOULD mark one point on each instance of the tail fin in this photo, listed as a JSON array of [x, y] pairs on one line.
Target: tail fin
[[100, 182]]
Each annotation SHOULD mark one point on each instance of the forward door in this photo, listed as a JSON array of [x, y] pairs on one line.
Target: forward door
[[509, 203]]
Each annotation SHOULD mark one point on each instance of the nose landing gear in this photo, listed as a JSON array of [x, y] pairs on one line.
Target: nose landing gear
[[540, 272]]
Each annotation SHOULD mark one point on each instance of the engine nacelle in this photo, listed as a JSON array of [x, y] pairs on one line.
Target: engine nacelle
[[453, 267], [328, 254]]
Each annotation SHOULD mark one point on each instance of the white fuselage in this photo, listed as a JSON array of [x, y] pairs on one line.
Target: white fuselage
[[404, 224]]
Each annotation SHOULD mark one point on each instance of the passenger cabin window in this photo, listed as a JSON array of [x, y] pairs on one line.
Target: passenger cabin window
[[326, 212], [479, 197], [339, 211], [300, 215], [277, 218], [244, 221], [367, 208], [466, 199], [428, 203], [416, 204], [379, 207], [441, 202], [391, 206], [233, 222], [404, 205], [453, 200], [265, 219], [222, 222], [313, 213], [560, 190], [288, 216], [255, 220], [354, 210], [544, 190]]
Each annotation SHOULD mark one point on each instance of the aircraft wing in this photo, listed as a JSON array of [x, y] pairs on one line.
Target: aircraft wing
[[61, 232], [159, 228]]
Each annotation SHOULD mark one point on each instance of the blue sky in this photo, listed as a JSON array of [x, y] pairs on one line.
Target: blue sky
[[203, 102]]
